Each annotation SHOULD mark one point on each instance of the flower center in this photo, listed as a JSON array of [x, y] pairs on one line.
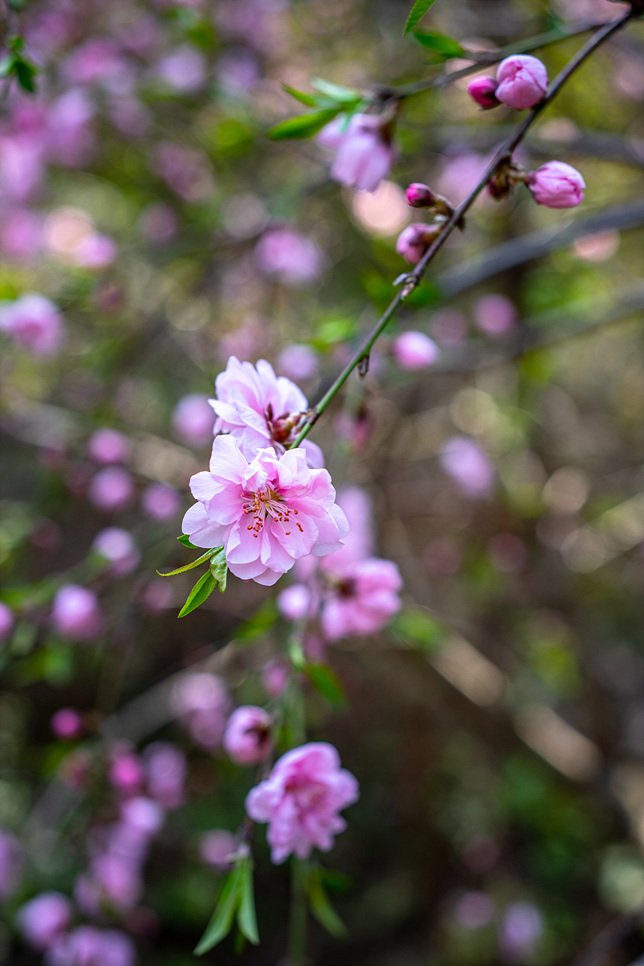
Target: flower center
[[281, 427], [268, 502]]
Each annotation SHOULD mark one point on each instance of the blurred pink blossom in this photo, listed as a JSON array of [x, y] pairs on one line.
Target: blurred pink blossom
[[158, 223], [21, 234], [362, 598], [166, 768], [468, 465], [184, 69], [414, 240], [6, 621], [298, 361], [126, 772], [44, 918], [89, 946], [193, 420], [522, 81], [66, 723], [288, 255], [247, 738], [202, 701], [294, 602], [301, 800], [76, 614], [275, 676], [414, 351], [111, 489], [69, 137], [108, 446], [186, 170], [266, 512], [217, 847], [160, 502], [520, 931], [495, 314], [34, 322], [237, 71], [95, 251], [118, 548], [364, 150]]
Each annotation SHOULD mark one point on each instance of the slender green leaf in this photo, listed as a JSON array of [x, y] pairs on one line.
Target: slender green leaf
[[7, 65], [416, 14], [185, 540], [300, 96], [246, 916], [303, 126], [341, 95], [296, 654], [321, 906], [219, 568], [199, 593], [25, 75], [439, 43], [224, 914], [326, 681], [195, 563]]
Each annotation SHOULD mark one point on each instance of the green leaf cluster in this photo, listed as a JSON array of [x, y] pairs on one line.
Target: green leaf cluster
[[328, 101], [236, 901], [216, 575], [15, 64]]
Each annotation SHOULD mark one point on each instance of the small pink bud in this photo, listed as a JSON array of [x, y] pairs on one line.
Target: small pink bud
[[522, 81], [483, 91], [556, 185], [420, 195], [414, 240], [414, 351], [247, 738]]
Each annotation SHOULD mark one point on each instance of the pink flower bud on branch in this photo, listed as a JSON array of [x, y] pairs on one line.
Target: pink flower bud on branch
[[483, 91], [556, 185], [414, 240], [420, 195], [522, 81]]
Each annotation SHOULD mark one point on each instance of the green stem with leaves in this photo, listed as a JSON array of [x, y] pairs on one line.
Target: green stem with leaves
[[360, 357]]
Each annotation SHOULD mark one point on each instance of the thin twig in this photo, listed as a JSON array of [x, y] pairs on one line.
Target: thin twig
[[503, 152]]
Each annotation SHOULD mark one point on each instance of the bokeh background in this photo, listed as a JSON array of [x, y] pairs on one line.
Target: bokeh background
[[497, 725]]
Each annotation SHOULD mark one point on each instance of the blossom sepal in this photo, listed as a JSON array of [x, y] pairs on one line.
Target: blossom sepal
[[236, 902], [216, 575]]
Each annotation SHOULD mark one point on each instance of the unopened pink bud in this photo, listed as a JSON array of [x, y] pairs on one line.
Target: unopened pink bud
[[522, 81], [414, 240], [556, 185], [414, 351], [247, 738], [483, 91], [420, 195]]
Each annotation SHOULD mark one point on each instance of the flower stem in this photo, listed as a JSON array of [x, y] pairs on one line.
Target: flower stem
[[298, 919], [361, 355]]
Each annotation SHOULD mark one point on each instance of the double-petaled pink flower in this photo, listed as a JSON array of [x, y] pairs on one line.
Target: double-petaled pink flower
[[301, 800], [363, 597], [266, 513], [260, 409]]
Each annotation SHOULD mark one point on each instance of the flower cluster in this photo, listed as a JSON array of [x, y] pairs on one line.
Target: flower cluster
[[267, 505]]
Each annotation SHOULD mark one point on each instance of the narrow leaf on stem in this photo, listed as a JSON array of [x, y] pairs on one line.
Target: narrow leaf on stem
[[416, 13]]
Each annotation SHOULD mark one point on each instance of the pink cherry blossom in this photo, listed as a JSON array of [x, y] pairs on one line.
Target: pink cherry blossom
[[522, 81], [44, 918], [89, 946], [111, 489], [192, 419], [420, 195], [34, 322], [364, 152], [260, 409], [166, 773], [160, 502], [266, 513], [247, 737], [495, 314], [217, 847], [363, 597], [556, 185], [66, 723], [289, 256], [301, 800], [117, 547]]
